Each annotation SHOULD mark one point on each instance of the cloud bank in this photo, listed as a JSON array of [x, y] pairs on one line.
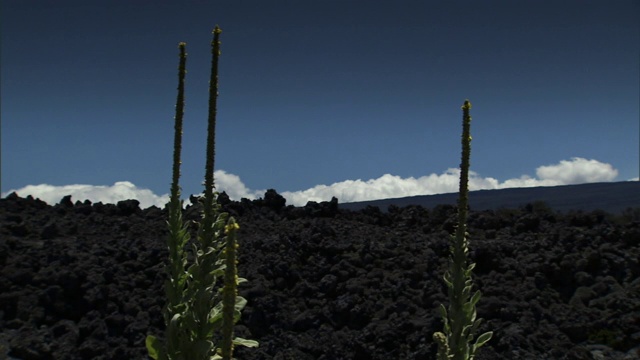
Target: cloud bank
[[121, 190], [566, 172]]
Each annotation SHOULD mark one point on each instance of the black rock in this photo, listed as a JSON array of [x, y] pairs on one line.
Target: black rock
[[66, 201], [273, 200], [323, 282], [128, 207]]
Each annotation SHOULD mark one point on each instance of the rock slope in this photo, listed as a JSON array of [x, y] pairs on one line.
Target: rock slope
[[84, 281]]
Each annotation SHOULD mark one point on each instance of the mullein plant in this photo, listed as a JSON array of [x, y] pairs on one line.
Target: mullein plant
[[202, 302], [460, 323]]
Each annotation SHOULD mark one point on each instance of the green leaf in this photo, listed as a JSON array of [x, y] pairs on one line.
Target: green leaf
[[203, 346], [175, 319], [215, 316], [475, 298], [472, 317], [216, 321], [240, 303], [245, 342], [443, 311], [189, 322], [221, 221], [474, 329], [447, 279], [482, 339], [219, 272], [154, 347], [236, 316], [467, 308]]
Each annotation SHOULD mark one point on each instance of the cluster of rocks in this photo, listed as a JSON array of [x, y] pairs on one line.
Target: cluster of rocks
[[85, 281]]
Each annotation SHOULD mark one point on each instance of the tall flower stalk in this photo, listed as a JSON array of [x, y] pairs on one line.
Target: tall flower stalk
[[176, 241], [230, 290], [207, 252], [460, 323], [202, 305]]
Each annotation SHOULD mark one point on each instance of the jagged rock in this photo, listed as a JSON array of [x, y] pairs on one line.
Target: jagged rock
[[323, 209], [128, 207], [49, 232], [323, 282], [223, 199], [273, 200], [66, 201]]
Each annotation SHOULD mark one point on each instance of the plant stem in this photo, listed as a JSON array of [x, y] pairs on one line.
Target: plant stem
[[204, 281], [178, 234], [175, 241], [211, 130], [230, 289], [177, 138], [459, 251], [460, 323], [194, 312]]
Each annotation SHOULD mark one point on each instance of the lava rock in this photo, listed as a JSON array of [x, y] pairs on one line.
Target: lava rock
[[85, 281]]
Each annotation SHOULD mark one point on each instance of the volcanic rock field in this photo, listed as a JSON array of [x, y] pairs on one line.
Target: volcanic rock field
[[85, 281]]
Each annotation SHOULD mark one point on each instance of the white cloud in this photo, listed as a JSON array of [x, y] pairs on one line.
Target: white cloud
[[577, 171], [388, 186], [566, 172], [124, 190], [121, 190], [234, 187]]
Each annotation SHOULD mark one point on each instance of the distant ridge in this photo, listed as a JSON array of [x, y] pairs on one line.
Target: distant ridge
[[612, 197]]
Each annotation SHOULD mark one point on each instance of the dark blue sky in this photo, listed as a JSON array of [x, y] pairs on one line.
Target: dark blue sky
[[320, 93]]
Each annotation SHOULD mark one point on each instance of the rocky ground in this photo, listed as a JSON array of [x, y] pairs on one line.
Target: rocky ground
[[84, 281]]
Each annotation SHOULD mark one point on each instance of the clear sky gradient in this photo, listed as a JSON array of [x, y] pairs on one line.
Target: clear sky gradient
[[358, 99]]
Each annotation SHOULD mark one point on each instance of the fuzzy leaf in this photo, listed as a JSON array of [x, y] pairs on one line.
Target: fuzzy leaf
[[189, 322], [218, 272], [154, 347], [447, 279], [175, 320], [215, 316], [443, 311], [245, 342], [203, 346], [474, 328], [240, 303], [467, 289], [221, 221], [482, 339], [467, 308], [475, 298]]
